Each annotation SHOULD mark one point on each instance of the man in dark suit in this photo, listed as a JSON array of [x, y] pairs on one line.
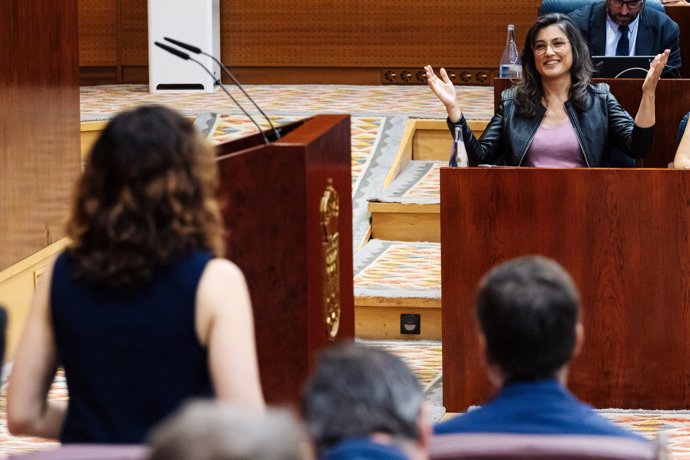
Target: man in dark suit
[[629, 28]]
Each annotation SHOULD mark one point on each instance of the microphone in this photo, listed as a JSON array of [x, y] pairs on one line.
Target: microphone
[[187, 57], [196, 50]]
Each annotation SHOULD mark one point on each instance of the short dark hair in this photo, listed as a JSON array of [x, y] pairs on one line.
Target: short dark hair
[[528, 309], [356, 391]]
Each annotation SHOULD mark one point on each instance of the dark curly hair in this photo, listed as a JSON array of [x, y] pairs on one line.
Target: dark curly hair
[[145, 199], [528, 90]]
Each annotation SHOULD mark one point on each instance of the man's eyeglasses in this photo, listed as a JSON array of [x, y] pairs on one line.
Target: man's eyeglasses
[[632, 4], [556, 45]]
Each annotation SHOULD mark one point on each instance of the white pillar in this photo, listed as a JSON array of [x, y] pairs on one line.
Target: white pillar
[[195, 22]]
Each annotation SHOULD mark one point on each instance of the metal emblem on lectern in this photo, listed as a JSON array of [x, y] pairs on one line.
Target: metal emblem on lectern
[[330, 244]]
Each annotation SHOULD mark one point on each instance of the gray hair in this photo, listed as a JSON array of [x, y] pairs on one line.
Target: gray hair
[[357, 391], [207, 430]]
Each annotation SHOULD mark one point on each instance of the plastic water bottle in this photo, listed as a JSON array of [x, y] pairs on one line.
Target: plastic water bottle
[[458, 153], [510, 66]]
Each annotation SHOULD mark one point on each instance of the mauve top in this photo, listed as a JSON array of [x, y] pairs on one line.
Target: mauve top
[[129, 360], [555, 147]]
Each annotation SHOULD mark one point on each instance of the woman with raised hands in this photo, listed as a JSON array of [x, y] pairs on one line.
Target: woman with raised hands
[[554, 116]]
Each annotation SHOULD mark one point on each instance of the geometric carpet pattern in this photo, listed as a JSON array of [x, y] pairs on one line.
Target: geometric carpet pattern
[[418, 183], [101, 102], [423, 357], [673, 425], [429, 186], [398, 269]]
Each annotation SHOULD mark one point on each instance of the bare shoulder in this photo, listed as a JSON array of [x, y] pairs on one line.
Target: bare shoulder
[[222, 268], [222, 293], [221, 280]]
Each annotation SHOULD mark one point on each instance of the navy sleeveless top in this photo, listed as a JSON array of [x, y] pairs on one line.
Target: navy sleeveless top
[[129, 360]]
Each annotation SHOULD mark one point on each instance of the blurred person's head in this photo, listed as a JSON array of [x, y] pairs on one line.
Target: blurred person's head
[[146, 198], [529, 316], [210, 430], [357, 392]]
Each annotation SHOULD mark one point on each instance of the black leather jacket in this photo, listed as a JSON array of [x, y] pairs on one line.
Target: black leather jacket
[[605, 123]]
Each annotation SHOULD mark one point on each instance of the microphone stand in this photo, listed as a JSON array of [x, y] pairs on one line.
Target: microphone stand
[[187, 57], [198, 50]]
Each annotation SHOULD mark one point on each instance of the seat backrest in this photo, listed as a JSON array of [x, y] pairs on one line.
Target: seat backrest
[[88, 452], [566, 6], [527, 446]]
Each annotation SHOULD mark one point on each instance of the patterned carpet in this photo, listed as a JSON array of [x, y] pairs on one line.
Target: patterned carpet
[[418, 183], [398, 269], [100, 102]]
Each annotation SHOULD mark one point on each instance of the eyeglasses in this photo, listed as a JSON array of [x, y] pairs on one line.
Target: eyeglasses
[[632, 4], [556, 45]]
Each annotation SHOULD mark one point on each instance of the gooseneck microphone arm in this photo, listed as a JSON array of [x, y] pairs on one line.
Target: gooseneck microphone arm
[[197, 50], [187, 57]]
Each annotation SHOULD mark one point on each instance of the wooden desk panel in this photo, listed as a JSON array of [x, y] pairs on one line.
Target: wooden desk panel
[[672, 102], [681, 14], [623, 234]]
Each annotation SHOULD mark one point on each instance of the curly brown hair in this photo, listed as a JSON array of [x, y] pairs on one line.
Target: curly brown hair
[[145, 199]]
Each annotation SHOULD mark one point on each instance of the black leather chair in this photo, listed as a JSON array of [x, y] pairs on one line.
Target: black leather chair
[[566, 6]]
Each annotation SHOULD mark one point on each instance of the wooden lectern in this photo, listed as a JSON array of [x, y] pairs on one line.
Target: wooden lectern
[[288, 208], [623, 234]]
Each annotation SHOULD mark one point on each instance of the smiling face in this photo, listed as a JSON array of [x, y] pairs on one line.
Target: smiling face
[[553, 55]]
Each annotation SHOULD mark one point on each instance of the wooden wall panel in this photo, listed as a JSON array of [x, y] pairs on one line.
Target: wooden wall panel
[[98, 31], [134, 17], [39, 124], [312, 41], [134, 41], [362, 33]]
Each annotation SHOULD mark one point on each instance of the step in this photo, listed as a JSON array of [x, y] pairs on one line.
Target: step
[[394, 279], [409, 208]]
